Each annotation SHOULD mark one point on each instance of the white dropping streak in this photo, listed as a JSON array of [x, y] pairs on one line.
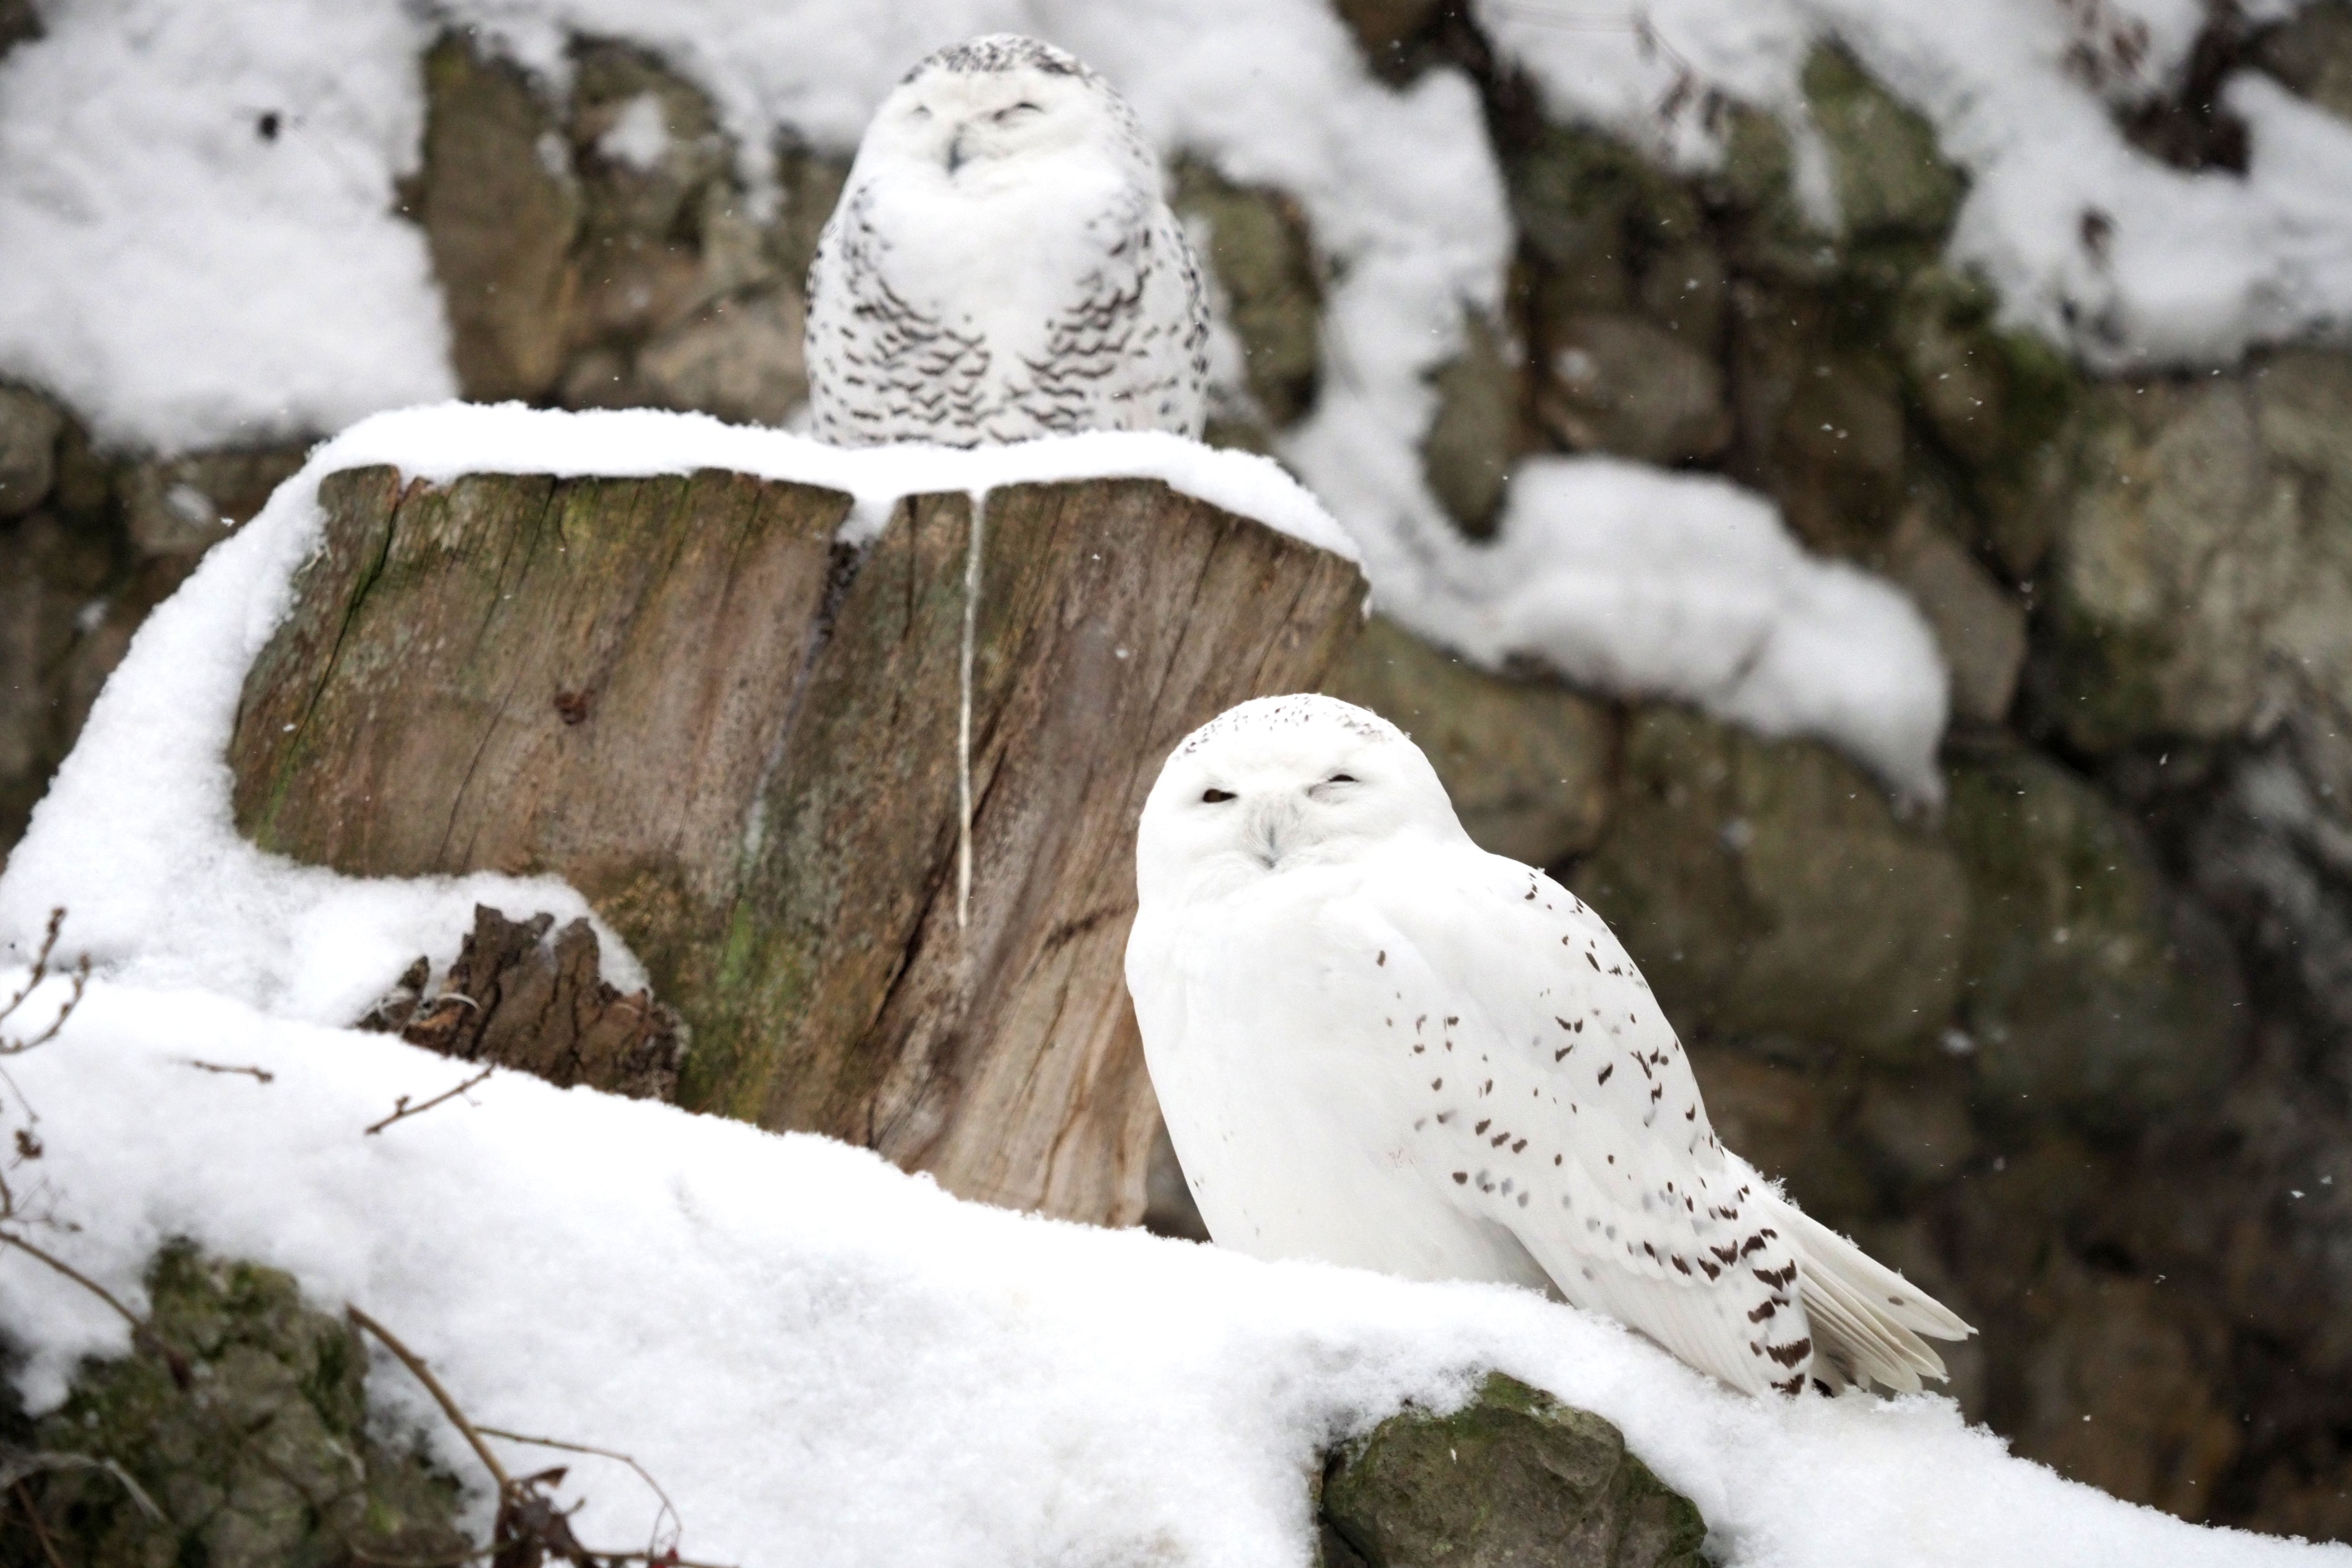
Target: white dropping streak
[[963, 712]]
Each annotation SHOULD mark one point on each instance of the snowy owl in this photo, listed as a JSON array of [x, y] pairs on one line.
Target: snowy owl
[[1378, 1045], [1001, 265]]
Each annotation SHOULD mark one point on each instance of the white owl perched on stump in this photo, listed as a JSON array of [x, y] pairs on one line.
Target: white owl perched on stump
[[1001, 265], [1378, 1045]]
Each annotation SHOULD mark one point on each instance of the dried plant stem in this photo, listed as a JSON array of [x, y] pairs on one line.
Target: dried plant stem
[[423, 1375], [402, 1110]]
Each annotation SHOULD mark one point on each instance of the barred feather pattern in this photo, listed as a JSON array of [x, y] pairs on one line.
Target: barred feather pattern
[[1376, 1044], [969, 302]]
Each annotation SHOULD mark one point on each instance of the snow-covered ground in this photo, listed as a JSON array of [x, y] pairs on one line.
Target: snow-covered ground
[[826, 1362]]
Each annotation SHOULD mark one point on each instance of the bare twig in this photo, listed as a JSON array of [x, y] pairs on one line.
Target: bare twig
[[141, 1334], [19, 1465], [528, 1528], [76, 1275], [670, 1508], [423, 1375], [33, 980], [33, 1518], [257, 1074], [402, 1110]]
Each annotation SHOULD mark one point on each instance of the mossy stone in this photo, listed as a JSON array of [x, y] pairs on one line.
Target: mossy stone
[[2094, 994], [1885, 166], [1512, 1478], [263, 1460], [1527, 762], [1767, 888]]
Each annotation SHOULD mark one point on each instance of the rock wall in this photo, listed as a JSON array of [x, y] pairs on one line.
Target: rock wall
[[2070, 1053]]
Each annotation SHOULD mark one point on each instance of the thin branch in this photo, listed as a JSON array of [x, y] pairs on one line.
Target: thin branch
[[402, 1110], [33, 1518], [40, 962], [40, 973], [141, 1335], [79, 1277], [423, 1375], [19, 1465], [255, 1073], [676, 1521]]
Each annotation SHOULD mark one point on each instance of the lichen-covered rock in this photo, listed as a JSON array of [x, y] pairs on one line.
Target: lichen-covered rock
[[243, 1415], [29, 427], [1621, 383], [1999, 404], [2203, 582], [1979, 628], [1380, 26], [1527, 762], [1767, 888], [500, 207], [2095, 990], [1263, 257], [1513, 1479], [185, 505], [1475, 437], [2312, 53], [1594, 211], [1783, 1106], [1883, 159], [1820, 424]]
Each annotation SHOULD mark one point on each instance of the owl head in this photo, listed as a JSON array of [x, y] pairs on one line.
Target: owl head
[[978, 113], [1280, 784]]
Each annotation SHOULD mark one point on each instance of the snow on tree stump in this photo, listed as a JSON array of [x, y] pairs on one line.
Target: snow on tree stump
[[738, 740]]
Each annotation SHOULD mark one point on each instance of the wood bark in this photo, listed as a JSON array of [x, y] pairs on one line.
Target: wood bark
[[739, 742]]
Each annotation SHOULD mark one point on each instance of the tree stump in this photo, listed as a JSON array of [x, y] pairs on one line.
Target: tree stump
[[739, 741]]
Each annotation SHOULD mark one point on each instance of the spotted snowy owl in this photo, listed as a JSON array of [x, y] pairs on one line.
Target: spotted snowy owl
[[1378, 1045], [1001, 265]]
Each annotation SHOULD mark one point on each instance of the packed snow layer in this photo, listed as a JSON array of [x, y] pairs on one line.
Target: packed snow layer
[[2193, 267], [196, 219], [1631, 580], [824, 1362], [136, 833]]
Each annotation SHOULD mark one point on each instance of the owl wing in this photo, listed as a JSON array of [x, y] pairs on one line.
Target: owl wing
[[880, 367], [1569, 1114], [1128, 351]]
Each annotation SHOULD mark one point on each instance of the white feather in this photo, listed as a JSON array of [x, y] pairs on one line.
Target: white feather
[[1001, 265], [1377, 1045]]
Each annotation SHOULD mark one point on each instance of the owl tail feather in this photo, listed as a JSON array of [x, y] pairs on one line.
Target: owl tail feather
[[1870, 1324]]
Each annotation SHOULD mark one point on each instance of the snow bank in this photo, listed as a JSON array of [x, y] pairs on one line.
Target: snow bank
[[825, 1361], [136, 833], [1631, 580], [196, 219], [2196, 268]]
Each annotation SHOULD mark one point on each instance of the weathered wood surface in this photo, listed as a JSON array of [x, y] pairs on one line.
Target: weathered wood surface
[[740, 745]]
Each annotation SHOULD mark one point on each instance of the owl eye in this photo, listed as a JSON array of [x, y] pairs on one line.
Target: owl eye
[[1216, 796], [921, 113], [1340, 778], [1017, 109]]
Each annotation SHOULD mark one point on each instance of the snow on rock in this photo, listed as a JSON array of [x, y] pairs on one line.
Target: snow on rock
[[2191, 268], [1632, 580], [825, 1361], [196, 219], [136, 833]]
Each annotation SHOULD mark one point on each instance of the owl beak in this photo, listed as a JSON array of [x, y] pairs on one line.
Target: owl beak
[[1267, 821], [955, 152]]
